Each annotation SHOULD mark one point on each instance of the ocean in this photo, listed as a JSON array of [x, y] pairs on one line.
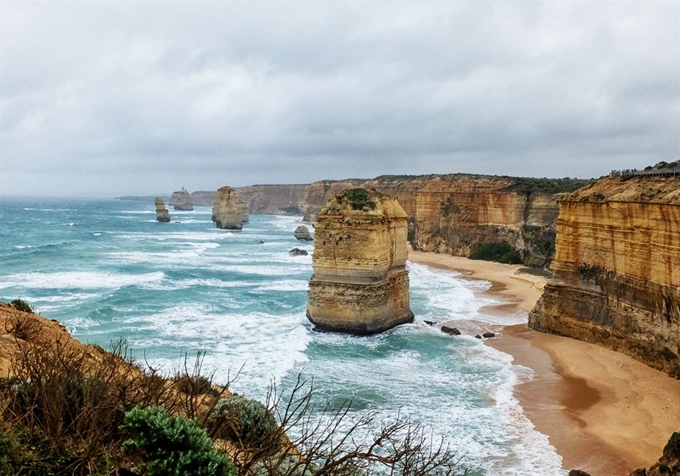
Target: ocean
[[107, 270]]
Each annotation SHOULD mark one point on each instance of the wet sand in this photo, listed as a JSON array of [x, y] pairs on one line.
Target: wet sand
[[604, 412]]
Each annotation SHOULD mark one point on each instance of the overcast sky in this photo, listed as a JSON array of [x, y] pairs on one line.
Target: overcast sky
[[104, 98]]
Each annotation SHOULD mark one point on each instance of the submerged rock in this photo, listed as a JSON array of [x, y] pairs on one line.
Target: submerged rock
[[162, 213], [360, 283], [298, 252], [450, 330]]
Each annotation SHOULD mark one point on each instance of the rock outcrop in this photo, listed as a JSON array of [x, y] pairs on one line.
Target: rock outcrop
[[457, 213], [162, 213], [302, 233], [181, 200], [360, 283], [227, 209], [616, 279], [668, 464]]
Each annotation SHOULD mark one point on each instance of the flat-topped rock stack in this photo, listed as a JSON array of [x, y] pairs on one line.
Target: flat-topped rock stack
[[360, 284], [162, 213], [181, 200], [228, 209]]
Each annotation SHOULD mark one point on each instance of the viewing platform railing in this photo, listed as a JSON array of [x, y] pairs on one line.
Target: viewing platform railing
[[675, 172]]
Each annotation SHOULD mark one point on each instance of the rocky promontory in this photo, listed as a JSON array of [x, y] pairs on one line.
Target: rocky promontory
[[162, 213], [227, 209], [360, 283], [181, 200], [616, 279]]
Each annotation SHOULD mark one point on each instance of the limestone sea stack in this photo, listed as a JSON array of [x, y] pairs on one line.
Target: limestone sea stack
[[162, 213], [227, 209], [181, 200], [360, 284], [616, 278]]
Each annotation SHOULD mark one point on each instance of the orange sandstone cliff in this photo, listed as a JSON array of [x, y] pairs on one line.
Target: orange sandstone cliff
[[616, 278], [360, 284], [457, 213]]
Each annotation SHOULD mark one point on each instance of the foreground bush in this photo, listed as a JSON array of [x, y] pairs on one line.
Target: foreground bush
[[172, 445]]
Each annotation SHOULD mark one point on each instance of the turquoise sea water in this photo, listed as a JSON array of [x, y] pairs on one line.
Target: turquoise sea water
[[106, 269]]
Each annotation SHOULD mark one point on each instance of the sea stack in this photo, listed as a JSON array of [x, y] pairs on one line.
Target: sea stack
[[360, 284], [616, 278], [162, 213], [302, 233], [181, 200], [227, 209]]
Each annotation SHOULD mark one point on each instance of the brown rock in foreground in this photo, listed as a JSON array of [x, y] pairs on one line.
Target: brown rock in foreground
[[616, 278], [360, 283]]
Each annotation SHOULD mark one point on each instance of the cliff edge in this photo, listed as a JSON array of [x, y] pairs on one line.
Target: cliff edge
[[616, 279]]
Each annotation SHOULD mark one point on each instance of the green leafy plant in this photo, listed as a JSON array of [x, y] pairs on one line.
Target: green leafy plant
[[21, 305], [359, 198], [247, 423], [500, 252], [172, 445]]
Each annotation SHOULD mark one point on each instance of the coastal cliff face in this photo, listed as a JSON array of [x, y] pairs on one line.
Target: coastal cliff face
[[616, 278], [181, 200], [202, 198], [360, 283], [227, 209], [455, 214], [274, 199]]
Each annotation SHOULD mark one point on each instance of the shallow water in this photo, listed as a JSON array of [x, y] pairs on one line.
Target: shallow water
[[107, 269]]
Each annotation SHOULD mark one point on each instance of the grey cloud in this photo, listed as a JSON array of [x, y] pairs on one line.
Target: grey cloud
[[141, 96]]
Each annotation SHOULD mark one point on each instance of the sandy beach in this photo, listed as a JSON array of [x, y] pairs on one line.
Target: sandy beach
[[604, 412]]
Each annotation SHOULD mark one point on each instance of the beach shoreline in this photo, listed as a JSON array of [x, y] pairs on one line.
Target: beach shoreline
[[604, 412]]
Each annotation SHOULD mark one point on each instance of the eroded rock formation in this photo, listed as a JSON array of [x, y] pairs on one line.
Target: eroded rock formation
[[162, 213], [274, 199], [616, 279], [360, 283], [227, 209], [181, 200], [302, 233]]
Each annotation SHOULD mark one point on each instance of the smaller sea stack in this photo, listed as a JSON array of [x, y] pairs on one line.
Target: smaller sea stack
[[181, 200], [162, 213], [360, 284]]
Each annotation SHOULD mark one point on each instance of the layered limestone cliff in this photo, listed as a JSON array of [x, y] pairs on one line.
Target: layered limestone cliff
[[616, 279], [274, 199], [181, 200], [162, 213], [202, 198], [227, 209], [455, 214], [360, 283]]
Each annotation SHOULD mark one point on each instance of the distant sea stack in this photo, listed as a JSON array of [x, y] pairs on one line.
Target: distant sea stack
[[360, 284], [616, 279], [162, 213], [302, 233], [227, 209], [181, 200]]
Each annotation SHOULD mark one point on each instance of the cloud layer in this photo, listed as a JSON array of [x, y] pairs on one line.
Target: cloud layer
[[106, 98]]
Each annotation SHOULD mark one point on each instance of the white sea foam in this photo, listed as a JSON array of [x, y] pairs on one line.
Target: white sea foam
[[77, 280]]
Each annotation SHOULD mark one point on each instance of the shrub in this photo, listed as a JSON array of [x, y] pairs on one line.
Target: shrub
[[500, 252], [172, 445], [21, 305], [247, 423], [359, 198]]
